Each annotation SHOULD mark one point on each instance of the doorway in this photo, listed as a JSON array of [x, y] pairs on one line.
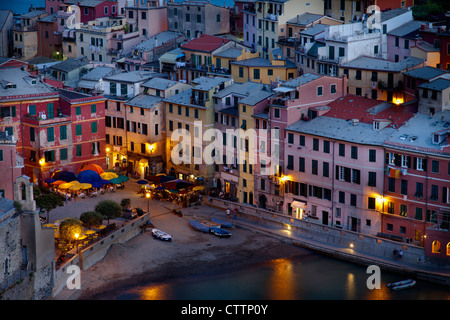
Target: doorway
[[325, 217]]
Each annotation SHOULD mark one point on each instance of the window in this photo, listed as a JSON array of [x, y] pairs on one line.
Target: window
[[241, 72], [50, 134], [371, 203], [372, 155], [63, 154], [390, 207], [93, 108], [276, 113], [315, 144], [372, 179], [435, 166], [301, 164], [78, 150], [256, 74], [63, 132], [419, 190], [290, 138], [302, 143], [358, 75], [319, 91], [49, 156], [326, 146], [78, 130], [434, 192], [418, 215], [342, 149], [353, 200], [341, 197], [403, 210], [93, 127], [333, 88], [32, 134], [314, 167], [290, 164], [326, 169], [354, 152], [218, 18], [391, 184], [404, 187]]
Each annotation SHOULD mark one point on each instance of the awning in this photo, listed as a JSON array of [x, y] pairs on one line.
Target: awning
[[298, 204]]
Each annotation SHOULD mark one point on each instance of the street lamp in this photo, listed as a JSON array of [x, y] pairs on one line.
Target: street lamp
[[76, 239], [147, 195]]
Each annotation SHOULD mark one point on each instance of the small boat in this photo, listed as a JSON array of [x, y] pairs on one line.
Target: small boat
[[223, 223], [161, 235], [197, 225], [221, 233], [402, 284], [210, 224]]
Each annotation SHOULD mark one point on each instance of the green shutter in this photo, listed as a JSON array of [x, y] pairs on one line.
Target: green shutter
[[78, 130], [78, 150], [32, 134], [63, 153], [13, 111], [93, 108], [1, 155], [93, 127], [50, 134], [50, 111], [32, 109], [77, 111], [63, 132]]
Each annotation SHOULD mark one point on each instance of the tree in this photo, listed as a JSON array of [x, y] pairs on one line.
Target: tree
[[69, 228], [109, 209], [125, 203], [91, 218], [49, 201]]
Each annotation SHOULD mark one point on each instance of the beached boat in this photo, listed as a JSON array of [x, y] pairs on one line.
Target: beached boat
[[210, 224], [402, 284], [220, 232], [223, 223], [161, 235], [197, 225]]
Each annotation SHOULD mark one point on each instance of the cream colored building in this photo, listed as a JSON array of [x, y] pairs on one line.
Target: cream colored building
[[272, 17]]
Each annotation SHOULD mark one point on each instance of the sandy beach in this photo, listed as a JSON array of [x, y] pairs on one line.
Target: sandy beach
[[144, 259]]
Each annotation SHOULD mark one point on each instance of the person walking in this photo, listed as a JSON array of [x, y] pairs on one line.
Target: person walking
[[228, 212]]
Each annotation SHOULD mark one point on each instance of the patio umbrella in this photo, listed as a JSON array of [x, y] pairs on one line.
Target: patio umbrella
[[91, 166], [58, 182], [89, 176], [74, 187], [160, 178], [66, 176], [119, 179], [109, 175], [160, 188], [183, 191], [142, 182], [198, 188], [50, 180], [85, 185], [176, 184], [97, 184], [64, 185]]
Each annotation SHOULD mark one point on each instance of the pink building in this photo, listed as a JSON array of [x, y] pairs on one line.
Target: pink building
[[335, 163], [94, 9], [295, 99], [402, 39], [417, 183], [11, 165]]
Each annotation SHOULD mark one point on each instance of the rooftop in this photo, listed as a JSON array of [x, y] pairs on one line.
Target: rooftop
[[418, 133], [97, 73], [157, 40], [144, 101], [370, 63], [409, 30], [205, 43], [71, 64], [159, 83], [261, 62], [294, 83], [305, 19], [16, 82], [131, 76], [206, 84], [425, 73], [438, 84]]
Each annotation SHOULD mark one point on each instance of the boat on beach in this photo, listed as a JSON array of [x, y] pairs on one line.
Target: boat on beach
[[400, 285], [199, 226], [221, 233], [223, 223], [161, 235]]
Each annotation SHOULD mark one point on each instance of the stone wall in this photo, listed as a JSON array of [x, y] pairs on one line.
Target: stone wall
[[90, 255]]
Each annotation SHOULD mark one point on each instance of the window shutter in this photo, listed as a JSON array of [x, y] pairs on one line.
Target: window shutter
[[408, 162], [444, 194], [424, 164]]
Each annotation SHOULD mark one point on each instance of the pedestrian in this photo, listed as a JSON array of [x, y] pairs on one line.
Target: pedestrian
[[228, 212], [400, 254], [395, 253], [235, 212]]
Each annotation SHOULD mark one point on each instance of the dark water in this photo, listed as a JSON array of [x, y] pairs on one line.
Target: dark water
[[307, 277]]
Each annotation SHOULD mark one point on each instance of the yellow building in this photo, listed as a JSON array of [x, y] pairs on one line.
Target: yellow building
[[264, 70], [427, 52], [377, 78], [191, 110]]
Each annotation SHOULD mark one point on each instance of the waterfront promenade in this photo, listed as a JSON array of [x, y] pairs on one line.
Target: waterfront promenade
[[187, 240]]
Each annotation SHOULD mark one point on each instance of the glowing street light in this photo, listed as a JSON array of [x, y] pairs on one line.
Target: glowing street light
[[76, 239]]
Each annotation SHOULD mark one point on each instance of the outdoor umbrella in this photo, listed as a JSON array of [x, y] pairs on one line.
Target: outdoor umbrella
[[176, 184], [85, 185], [160, 188], [51, 180], [198, 188], [74, 187], [89, 176], [142, 182], [66, 176], [119, 179], [91, 166], [109, 175], [160, 178], [97, 184], [58, 182]]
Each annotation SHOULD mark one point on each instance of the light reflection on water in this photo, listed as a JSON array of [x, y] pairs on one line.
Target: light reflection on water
[[307, 277]]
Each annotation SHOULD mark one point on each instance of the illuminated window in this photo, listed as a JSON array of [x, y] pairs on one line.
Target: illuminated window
[[436, 247]]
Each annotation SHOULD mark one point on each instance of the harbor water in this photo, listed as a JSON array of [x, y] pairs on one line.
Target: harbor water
[[309, 276]]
